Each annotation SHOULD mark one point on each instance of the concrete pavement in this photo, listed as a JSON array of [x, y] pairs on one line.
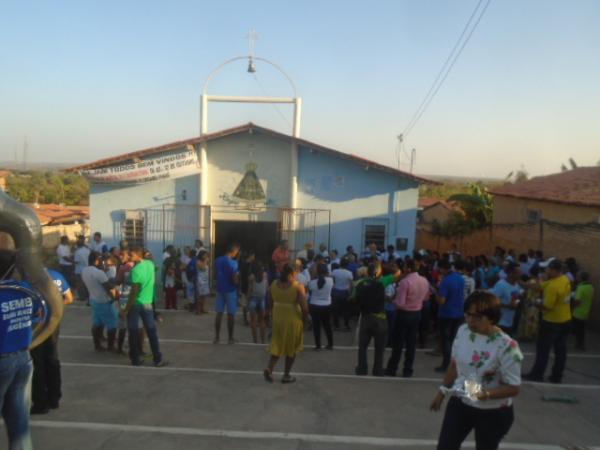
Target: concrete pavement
[[214, 396]]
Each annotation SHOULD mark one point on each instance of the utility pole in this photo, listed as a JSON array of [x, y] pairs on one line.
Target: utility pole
[[400, 138], [25, 145], [413, 158]]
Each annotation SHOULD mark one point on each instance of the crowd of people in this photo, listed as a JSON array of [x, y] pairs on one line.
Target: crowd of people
[[473, 310]]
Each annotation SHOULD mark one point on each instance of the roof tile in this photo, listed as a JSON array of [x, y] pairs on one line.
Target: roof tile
[[580, 186]]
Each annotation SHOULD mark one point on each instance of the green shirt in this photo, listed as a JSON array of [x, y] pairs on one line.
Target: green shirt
[[585, 295], [143, 274], [386, 280]]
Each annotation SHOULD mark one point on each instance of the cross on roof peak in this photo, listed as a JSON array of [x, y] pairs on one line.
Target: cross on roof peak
[[252, 37]]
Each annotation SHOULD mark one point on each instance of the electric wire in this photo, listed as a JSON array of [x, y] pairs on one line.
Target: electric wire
[[448, 65], [264, 91]]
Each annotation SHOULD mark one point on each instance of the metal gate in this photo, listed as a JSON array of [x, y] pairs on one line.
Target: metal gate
[[302, 226], [180, 225]]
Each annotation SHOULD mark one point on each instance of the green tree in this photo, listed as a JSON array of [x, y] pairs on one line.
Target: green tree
[[49, 187], [476, 212], [478, 205]]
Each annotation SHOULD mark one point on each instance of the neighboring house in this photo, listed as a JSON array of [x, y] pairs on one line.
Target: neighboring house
[[567, 197], [252, 185], [61, 220], [435, 209], [4, 174]]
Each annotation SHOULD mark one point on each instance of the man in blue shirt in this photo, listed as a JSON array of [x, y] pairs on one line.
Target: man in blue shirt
[[227, 270], [17, 302], [508, 291], [451, 298]]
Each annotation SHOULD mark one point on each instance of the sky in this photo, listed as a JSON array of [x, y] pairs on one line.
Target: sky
[[84, 80]]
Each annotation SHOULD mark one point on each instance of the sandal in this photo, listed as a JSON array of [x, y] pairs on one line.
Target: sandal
[[268, 376], [288, 380]]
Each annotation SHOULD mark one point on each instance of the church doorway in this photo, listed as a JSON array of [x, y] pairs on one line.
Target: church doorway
[[260, 237]]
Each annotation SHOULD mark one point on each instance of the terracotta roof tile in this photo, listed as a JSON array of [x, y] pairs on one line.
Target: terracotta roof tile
[[428, 202], [52, 214], [579, 186], [249, 127]]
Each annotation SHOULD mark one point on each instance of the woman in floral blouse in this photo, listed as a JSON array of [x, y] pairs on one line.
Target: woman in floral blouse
[[484, 375]]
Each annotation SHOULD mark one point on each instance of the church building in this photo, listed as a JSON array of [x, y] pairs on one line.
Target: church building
[[255, 186]]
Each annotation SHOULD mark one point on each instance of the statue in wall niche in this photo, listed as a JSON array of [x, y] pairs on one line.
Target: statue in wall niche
[[249, 192], [250, 189]]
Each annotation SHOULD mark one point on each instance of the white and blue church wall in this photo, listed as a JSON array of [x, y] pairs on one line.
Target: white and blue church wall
[[111, 203], [358, 196], [257, 155]]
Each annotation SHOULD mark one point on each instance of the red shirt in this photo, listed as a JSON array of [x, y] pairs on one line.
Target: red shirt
[[280, 258]]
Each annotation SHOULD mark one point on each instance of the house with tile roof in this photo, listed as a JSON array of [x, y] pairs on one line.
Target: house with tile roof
[[432, 209], [260, 186], [569, 197]]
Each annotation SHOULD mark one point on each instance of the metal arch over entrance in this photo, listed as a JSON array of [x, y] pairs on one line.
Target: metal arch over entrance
[[205, 99]]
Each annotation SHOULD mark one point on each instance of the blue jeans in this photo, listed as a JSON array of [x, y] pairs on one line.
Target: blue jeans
[[15, 398], [226, 301], [145, 313]]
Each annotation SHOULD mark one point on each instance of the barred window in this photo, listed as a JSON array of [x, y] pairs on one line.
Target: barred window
[[375, 234], [133, 228]]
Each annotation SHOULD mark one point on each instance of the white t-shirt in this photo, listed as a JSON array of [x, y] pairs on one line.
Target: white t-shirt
[[81, 257], [99, 246], [387, 258], [491, 360], [469, 285], [94, 279], [303, 278], [342, 279], [302, 254], [170, 281], [111, 272], [202, 282], [63, 251], [320, 297]]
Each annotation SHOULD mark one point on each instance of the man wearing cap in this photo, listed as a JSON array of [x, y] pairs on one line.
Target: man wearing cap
[[555, 326]]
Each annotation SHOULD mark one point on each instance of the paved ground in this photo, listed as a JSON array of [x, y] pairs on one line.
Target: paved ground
[[214, 397]]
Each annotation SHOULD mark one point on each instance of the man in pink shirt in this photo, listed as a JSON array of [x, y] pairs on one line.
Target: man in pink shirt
[[411, 292]]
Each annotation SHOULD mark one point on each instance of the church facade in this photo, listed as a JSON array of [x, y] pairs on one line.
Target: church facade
[[255, 186]]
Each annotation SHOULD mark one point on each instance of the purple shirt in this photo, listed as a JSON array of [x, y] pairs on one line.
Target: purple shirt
[[412, 291]]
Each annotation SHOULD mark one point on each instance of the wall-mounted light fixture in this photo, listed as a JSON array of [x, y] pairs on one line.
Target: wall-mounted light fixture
[[184, 195]]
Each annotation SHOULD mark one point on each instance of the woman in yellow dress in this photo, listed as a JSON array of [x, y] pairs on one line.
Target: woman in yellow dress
[[288, 302]]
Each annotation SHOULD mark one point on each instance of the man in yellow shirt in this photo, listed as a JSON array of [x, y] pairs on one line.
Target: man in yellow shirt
[[555, 325]]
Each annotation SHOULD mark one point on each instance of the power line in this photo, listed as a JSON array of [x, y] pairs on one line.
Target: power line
[[447, 66], [440, 73], [277, 110]]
